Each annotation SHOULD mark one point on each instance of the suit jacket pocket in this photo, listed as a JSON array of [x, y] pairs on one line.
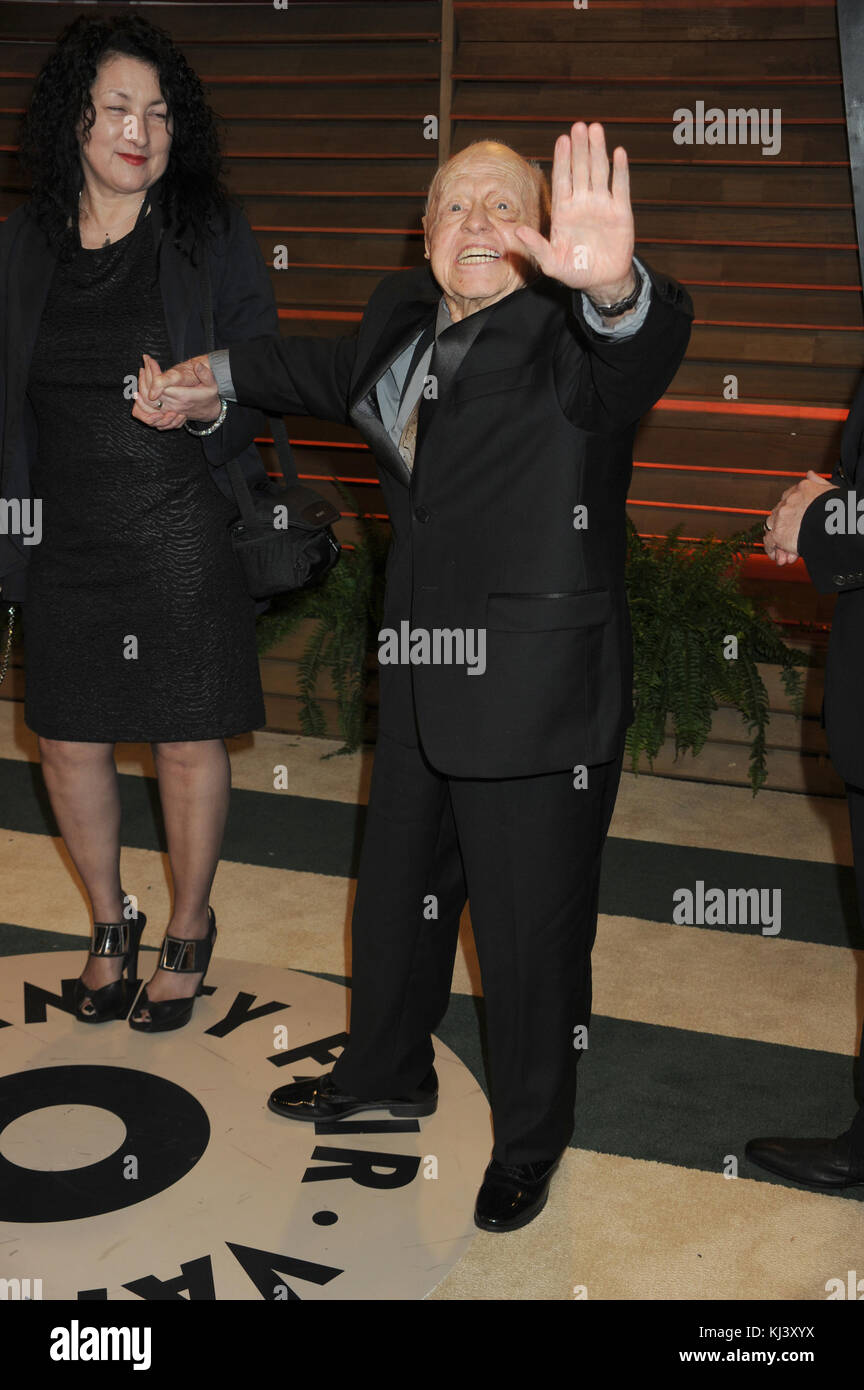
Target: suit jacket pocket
[[486, 383], [547, 612]]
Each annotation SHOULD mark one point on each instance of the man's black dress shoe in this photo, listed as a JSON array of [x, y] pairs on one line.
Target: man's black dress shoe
[[513, 1194], [318, 1099], [824, 1163]]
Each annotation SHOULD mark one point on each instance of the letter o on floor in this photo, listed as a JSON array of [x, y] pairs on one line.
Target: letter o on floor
[[166, 1129]]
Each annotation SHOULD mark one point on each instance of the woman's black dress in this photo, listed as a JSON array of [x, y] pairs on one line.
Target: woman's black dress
[[137, 624]]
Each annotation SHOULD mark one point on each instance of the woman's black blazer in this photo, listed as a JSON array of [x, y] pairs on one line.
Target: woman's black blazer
[[243, 307]]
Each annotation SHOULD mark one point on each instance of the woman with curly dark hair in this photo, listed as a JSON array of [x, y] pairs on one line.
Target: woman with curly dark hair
[[137, 624]]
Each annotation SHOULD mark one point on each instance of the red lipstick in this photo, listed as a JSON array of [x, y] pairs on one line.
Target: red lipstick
[[134, 158]]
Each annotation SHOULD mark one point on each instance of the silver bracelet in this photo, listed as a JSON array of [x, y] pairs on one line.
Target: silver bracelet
[[210, 428]]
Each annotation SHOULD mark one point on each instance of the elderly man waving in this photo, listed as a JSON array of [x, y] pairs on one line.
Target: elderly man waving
[[499, 389]]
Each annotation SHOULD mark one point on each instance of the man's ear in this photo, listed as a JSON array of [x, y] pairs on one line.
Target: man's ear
[[425, 235]]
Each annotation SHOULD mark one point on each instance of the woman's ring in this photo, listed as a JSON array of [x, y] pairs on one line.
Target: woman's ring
[[158, 405]]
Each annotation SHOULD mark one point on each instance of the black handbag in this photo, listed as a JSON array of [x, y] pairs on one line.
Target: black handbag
[[282, 537]]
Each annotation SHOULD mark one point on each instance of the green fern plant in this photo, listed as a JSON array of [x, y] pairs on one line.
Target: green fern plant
[[685, 605]]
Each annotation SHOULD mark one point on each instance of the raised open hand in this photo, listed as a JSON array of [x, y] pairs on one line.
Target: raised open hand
[[592, 235]]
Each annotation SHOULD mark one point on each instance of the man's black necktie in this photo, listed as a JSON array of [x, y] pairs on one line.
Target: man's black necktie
[[408, 437]]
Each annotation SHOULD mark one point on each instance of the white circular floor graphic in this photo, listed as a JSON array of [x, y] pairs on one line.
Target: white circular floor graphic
[[149, 1167]]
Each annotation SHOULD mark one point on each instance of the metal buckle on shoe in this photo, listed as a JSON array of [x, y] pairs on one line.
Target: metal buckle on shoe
[[178, 954], [110, 939]]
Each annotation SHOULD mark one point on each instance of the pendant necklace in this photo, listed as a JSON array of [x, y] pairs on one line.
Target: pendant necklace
[[107, 241]]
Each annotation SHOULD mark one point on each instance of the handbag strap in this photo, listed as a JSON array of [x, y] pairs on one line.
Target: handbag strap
[[7, 645], [277, 424]]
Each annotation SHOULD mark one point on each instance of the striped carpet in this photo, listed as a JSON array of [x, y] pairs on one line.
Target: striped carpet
[[703, 1036]]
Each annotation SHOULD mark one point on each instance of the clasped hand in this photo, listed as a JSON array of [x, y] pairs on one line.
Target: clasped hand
[[187, 391], [784, 523]]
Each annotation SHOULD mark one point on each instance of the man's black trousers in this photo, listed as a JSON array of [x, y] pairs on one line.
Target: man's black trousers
[[526, 852]]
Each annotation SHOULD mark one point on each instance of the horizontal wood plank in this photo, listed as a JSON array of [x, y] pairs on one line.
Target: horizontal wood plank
[[243, 23], [644, 24], [337, 61], [676, 60], [652, 141]]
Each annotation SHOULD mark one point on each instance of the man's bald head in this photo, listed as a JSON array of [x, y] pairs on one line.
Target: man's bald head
[[528, 170]]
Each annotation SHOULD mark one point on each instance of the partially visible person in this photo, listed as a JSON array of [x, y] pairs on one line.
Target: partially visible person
[[807, 522], [136, 621]]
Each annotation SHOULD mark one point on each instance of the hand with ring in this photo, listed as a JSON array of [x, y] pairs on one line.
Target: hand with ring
[[189, 391], [149, 407]]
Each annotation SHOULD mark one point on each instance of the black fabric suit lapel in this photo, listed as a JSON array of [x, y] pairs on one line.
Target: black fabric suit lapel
[[851, 439], [451, 347], [424, 342]]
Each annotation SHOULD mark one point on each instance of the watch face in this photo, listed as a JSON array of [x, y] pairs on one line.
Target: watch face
[[136, 1166]]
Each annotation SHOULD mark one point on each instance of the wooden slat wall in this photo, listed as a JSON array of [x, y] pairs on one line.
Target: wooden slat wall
[[323, 108]]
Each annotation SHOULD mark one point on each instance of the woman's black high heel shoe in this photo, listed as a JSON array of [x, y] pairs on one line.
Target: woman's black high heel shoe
[[187, 957], [112, 1000]]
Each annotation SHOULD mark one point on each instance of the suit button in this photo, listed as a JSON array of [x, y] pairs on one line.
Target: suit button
[[422, 513], [839, 579]]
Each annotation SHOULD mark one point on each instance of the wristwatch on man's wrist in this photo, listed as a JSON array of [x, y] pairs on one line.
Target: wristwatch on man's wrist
[[623, 306]]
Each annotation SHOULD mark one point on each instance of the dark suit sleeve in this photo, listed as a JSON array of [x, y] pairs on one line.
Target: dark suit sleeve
[[295, 376], [243, 307], [835, 562], [605, 383], [313, 376]]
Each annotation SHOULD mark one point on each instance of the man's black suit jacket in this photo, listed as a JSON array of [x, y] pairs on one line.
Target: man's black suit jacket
[[243, 307], [535, 417], [836, 566]]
